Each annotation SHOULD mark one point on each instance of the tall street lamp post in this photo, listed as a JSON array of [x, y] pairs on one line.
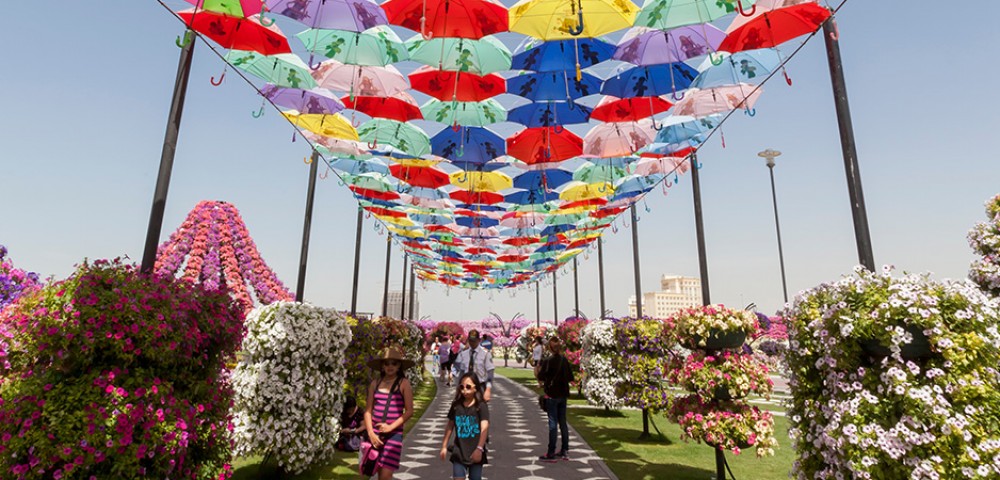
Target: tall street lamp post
[[770, 155]]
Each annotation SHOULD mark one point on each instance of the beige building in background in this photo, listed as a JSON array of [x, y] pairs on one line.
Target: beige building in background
[[395, 305], [676, 293]]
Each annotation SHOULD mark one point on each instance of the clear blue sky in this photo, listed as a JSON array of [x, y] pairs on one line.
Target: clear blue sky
[[88, 84]]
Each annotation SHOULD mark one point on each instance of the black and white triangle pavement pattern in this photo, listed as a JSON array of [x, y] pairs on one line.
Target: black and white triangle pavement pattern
[[518, 435]]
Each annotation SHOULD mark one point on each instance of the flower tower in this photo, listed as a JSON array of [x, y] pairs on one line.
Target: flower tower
[[14, 281], [213, 248], [719, 375], [984, 239]]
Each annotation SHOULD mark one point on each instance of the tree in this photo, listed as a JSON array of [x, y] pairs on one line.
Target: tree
[[504, 334]]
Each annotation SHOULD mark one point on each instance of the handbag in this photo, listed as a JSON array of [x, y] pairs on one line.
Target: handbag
[[369, 454]]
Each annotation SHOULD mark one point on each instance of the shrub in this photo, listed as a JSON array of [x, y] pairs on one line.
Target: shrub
[[289, 383], [115, 374]]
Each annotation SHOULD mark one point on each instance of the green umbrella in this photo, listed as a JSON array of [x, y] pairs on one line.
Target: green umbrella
[[667, 14], [469, 114], [371, 181], [377, 46], [283, 69], [599, 173], [486, 55], [401, 136], [565, 219]]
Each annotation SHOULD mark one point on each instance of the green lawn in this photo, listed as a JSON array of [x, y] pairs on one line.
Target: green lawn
[[343, 464], [614, 437]]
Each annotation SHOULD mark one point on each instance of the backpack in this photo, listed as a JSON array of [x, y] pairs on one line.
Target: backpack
[[444, 353]]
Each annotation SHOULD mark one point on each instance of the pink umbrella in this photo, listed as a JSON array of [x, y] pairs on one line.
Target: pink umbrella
[[359, 80], [522, 220], [702, 103], [618, 139], [337, 145], [662, 165], [425, 202]]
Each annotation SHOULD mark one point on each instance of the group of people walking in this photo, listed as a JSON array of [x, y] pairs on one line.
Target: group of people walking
[[465, 444]]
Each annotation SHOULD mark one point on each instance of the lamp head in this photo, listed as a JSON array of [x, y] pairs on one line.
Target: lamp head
[[770, 155]]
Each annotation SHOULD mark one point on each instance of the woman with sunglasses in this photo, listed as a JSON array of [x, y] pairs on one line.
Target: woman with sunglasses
[[389, 407], [469, 419]]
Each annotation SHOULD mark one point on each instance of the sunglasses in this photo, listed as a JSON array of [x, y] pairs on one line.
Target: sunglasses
[[468, 387], [391, 362]]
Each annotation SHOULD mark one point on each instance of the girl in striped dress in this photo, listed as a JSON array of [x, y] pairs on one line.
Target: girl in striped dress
[[389, 407]]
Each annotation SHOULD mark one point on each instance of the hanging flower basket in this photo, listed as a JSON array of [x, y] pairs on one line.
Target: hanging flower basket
[[714, 327], [718, 340], [725, 377], [918, 348]]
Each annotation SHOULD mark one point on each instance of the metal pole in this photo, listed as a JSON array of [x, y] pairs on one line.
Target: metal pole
[[555, 299], [576, 291], [600, 271], [385, 289], [699, 229], [413, 282], [538, 303], [638, 298], [770, 155], [307, 227], [402, 291], [167, 155], [357, 264], [862, 235]]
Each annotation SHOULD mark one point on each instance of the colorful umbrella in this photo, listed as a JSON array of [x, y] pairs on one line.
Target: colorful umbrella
[[242, 8], [549, 114], [668, 14], [751, 66], [662, 165], [283, 69], [360, 80], [377, 46], [544, 145], [585, 191], [599, 173], [633, 109], [617, 139], [375, 182], [476, 114], [485, 198], [337, 147], [467, 146], [566, 19], [353, 15], [560, 85], [316, 100], [702, 103], [428, 177], [448, 18], [400, 106], [542, 179], [458, 86], [650, 80], [483, 56], [775, 23], [402, 136], [357, 167], [481, 181], [333, 126], [558, 55], [647, 46], [237, 33]]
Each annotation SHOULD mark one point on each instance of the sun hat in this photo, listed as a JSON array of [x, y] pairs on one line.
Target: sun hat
[[391, 353]]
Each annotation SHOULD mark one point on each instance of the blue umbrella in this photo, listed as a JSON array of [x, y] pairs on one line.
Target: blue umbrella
[[686, 129], [553, 247], [531, 197], [554, 229], [424, 192], [650, 80], [428, 219], [751, 66], [520, 232], [480, 207], [562, 55], [561, 85], [357, 167], [542, 179], [468, 145], [549, 114], [638, 183], [477, 222]]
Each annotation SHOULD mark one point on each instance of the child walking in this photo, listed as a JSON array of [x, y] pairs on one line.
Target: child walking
[[389, 407], [469, 419]]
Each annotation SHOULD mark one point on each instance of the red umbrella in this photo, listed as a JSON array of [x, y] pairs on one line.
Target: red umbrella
[[416, 245], [614, 109], [448, 18], [428, 177], [480, 250], [521, 241], [584, 203], [400, 107], [770, 27], [580, 243], [512, 258], [385, 212], [237, 33], [439, 228], [607, 212], [364, 192], [458, 86], [484, 198], [544, 145]]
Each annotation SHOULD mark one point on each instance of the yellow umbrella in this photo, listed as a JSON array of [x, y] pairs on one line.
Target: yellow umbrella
[[580, 209], [333, 126], [560, 19], [401, 221], [405, 233], [481, 181], [587, 191], [568, 254], [416, 162]]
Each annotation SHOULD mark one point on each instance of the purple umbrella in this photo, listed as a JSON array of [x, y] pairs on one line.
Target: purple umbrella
[[316, 100], [649, 46], [353, 15]]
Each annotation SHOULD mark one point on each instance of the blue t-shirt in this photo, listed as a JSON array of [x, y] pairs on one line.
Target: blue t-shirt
[[467, 431]]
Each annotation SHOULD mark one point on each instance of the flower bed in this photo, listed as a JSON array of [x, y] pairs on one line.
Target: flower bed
[[289, 384], [114, 374], [857, 415], [732, 426]]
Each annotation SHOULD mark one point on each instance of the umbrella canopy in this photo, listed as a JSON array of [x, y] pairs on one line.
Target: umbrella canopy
[[357, 167], [481, 181], [650, 80], [648, 46], [684, 128], [448, 18], [532, 198], [458, 86], [316, 100], [353, 15], [402, 136], [283, 69], [483, 56], [599, 173], [751, 67], [486, 198], [237, 33], [662, 166], [475, 114], [774, 23], [549, 114], [400, 106], [557, 85], [585, 191], [549, 179], [544, 145], [557, 55], [378, 45], [337, 147], [375, 182], [333, 126], [467, 145], [359, 80], [617, 139], [633, 109], [667, 14], [428, 177], [242, 8], [566, 19], [702, 103]]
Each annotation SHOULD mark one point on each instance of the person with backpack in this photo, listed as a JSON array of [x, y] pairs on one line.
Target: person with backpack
[[389, 407], [554, 376], [469, 420]]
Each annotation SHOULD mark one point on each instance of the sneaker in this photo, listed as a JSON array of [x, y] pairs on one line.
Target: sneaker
[[563, 455], [549, 458]]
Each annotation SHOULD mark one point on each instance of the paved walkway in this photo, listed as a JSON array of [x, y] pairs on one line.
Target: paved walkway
[[518, 435]]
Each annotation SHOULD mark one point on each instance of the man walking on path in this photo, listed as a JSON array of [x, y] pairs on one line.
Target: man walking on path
[[554, 376], [478, 360]]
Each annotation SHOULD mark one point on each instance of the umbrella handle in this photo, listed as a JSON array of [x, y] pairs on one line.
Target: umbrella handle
[[263, 20], [788, 79], [576, 31], [455, 127], [675, 97], [294, 134], [750, 111], [311, 66], [716, 58], [753, 10], [835, 34], [188, 38], [307, 160], [219, 81], [259, 113], [326, 173], [557, 129], [372, 144], [655, 126]]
